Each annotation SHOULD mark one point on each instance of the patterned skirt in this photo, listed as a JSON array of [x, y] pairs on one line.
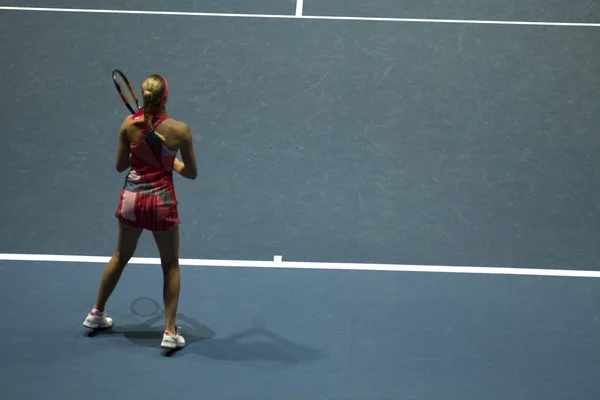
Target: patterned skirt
[[151, 206]]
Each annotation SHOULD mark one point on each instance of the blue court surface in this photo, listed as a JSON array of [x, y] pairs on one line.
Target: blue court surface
[[396, 200]]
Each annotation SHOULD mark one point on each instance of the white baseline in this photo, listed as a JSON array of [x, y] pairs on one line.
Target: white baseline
[[278, 263], [310, 17]]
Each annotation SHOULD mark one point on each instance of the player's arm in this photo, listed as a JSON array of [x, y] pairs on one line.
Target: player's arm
[[123, 156], [187, 167]]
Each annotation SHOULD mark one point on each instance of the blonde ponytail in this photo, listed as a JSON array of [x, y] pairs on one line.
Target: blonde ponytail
[[153, 88]]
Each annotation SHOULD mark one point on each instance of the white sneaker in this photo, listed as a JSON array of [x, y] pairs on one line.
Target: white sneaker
[[97, 320], [172, 340]]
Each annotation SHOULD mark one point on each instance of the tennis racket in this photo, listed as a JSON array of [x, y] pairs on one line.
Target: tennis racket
[[131, 101], [126, 91]]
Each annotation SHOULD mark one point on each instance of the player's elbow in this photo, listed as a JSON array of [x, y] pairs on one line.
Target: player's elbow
[[190, 173], [121, 168]]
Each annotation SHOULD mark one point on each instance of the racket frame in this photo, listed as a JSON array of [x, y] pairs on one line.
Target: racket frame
[[117, 73]]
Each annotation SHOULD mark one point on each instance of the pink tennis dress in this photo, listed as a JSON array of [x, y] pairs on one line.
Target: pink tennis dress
[[147, 198]]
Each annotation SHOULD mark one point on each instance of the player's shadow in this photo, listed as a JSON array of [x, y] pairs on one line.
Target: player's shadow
[[257, 343], [149, 332]]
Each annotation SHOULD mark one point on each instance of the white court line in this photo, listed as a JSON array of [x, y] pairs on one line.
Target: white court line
[[311, 17], [299, 7], [278, 263]]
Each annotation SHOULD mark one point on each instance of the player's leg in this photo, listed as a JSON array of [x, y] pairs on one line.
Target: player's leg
[[168, 247], [127, 243]]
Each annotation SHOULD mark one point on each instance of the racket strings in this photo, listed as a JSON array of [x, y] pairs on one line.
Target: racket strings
[[127, 93]]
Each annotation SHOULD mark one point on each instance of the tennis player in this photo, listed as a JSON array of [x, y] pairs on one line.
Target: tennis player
[[147, 200]]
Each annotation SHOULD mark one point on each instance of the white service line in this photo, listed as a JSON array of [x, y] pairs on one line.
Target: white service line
[[299, 7], [278, 263], [309, 17]]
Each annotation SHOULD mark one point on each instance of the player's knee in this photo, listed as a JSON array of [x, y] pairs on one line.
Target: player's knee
[[122, 257], [169, 265]]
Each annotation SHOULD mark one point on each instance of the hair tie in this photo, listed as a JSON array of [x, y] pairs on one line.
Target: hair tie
[[165, 91]]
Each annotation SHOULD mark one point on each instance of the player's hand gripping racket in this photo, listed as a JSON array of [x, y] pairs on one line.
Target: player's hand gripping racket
[[126, 91]]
